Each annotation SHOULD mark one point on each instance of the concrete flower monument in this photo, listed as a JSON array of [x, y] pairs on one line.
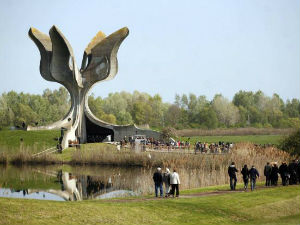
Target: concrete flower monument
[[99, 63]]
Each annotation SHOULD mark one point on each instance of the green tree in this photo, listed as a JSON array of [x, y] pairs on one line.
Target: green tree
[[292, 108], [227, 113]]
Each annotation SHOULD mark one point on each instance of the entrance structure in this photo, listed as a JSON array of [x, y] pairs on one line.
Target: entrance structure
[[99, 63]]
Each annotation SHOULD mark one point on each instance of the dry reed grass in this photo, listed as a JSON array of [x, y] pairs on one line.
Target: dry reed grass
[[195, 170], [242, 153], [25, 157], [234, 131], [3, 158]]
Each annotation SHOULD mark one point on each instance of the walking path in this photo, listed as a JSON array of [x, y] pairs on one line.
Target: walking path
[[194, 195]]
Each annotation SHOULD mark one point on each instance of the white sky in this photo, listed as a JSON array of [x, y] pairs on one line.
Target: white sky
[[201, 47]]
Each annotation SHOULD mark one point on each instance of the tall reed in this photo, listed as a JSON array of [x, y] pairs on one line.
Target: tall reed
[[3, 158]]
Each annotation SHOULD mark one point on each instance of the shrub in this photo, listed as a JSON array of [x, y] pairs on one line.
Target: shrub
[[291, 143]]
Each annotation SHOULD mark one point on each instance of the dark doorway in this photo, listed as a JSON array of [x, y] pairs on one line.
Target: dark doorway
[[97, 133]]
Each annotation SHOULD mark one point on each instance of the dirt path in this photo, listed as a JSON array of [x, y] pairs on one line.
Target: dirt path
[[194, 195]]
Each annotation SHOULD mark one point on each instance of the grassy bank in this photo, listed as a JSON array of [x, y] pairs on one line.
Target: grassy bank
[[10, 140], [265, 206]]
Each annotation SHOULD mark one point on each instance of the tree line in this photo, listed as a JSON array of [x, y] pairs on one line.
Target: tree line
[[247, 109]]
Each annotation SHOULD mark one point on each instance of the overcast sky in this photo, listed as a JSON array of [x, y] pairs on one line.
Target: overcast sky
[[203, 47]]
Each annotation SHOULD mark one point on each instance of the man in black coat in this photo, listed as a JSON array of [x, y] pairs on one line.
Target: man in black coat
[[292, 170], [245, 173], [158, 182], [274, 174], [283, 171], [232, 175], [253, 173], [267, 173], [298, 170]]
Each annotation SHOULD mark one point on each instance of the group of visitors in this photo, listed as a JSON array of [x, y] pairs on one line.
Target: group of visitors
[[168, 183], [290, 174], [218, 147], [171, 182], [251, 173]]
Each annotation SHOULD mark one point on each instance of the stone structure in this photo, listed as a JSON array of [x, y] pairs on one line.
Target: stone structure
[[99, 63]]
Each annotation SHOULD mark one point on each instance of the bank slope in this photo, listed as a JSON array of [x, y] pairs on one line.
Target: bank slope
[[264, 206]]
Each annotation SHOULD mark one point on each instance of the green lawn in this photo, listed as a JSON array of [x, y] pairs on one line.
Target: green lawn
[[34, 140], [257, 139], [264, 206]]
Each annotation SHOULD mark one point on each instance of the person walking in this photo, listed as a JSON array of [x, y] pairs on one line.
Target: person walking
[[267, 173], [253, 173], [298, 171], [245, 173], [274, 174], [292, 170], [283, 171], [158, 182], [174, 181], [232, 175], [166, 181]]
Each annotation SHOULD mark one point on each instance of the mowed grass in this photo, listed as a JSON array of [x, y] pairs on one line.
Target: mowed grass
[[263, 206], [35, 140], [256, 139]]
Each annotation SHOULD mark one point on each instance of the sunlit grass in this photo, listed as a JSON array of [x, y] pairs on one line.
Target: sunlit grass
[[265, 206], [10, 140]]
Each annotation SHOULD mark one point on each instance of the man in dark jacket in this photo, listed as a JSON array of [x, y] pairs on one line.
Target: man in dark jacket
[[274, 174], [283, 171], [158, 182], [267, 173], [253, 173], [292, 170], [245, 173], [298, 170], [232, 175]]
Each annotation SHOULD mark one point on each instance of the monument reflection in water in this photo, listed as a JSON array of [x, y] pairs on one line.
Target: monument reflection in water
[[59, 185]]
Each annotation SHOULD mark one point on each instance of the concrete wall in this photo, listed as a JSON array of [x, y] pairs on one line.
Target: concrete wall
[[121, 131]]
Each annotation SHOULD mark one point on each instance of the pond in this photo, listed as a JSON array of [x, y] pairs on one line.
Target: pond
[[71, 183]]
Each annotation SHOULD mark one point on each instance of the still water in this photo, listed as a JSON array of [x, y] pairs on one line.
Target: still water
[[66, 183]]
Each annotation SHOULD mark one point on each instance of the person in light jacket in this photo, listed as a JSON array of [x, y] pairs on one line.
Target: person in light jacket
[[174, 181], [166, 181]]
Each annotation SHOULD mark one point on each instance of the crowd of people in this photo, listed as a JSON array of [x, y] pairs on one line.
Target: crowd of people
[[155, 144], [289, 173], [199, 147], [219, 147]]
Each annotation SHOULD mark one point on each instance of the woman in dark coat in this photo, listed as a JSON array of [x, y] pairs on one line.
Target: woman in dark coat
[[245, 173]]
